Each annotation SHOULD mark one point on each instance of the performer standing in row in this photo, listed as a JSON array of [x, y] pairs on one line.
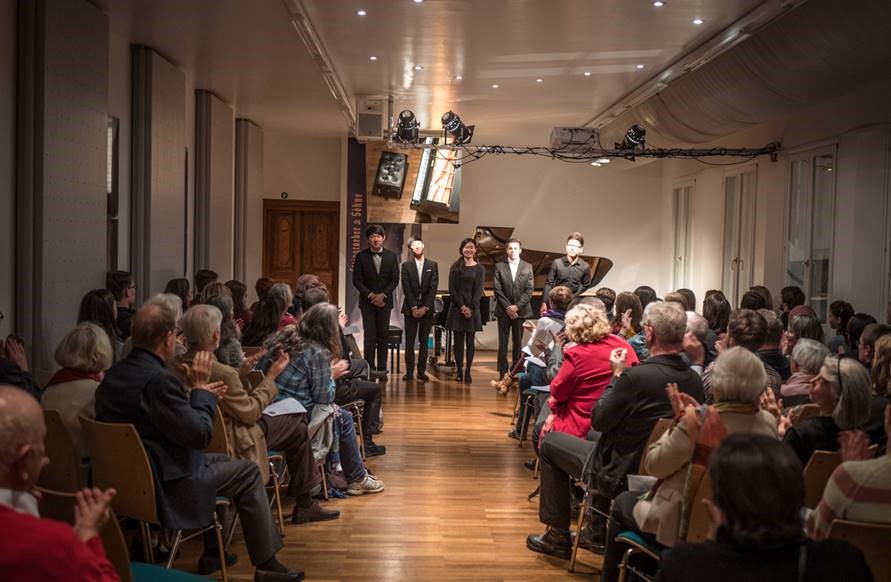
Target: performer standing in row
[[376, 275], [571, 271], [420, 279], [464, 318], [513, 295]]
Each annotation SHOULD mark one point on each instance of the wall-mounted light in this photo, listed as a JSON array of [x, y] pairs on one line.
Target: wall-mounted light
[[453, 126]]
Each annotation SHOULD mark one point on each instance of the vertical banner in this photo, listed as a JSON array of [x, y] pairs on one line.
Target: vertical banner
[[357, 210]]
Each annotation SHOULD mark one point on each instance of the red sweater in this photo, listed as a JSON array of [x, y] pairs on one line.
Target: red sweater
[[582, 378], [43, 549]]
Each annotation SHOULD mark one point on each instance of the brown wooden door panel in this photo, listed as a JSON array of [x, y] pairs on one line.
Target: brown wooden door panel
[[301, 237]]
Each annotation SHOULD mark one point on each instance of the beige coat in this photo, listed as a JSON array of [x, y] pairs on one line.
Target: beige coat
[[70, 400], [667, 459], [241, 408]]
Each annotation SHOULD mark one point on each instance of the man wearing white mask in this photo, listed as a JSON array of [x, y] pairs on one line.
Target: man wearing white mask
[[420, 278], [513, 295]]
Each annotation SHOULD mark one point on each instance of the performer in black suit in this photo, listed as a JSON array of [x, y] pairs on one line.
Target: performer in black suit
[[464, 318], [420, 278], [570, 271], [513, 294], [376, 275]]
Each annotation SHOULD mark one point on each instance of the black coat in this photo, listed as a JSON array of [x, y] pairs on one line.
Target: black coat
[[368, 281], [11, 374], [174, 428], [627, 412], [513, 292], [419, 293]]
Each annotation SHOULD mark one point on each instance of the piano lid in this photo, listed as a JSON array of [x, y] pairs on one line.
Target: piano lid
[[492, 243]]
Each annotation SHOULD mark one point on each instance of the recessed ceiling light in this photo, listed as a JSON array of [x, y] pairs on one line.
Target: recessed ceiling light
[[603, 161], [587, 73], [372, 58], [697, 20], [658, 4], [418, 1], [494, 86], [640, 66], [595, 164], [418, 67], [458, 78], [538, 81], [361, 12]]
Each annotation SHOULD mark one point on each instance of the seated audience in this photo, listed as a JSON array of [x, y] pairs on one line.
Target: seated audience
[[261, 286], [699, 342], [175, 428], [203, 278], [304, 283], [866, 345], [229, 352], [265, 321], [771, 352], [84, 355], [647, 295], [241, 315], [608, 296], [14, 366], [310, 379], [123, 288], [626, 323], [584, 374], [752, 300], [856, 325], [716, 311], [859, 489], [174, 304], [283, 292], [212, 291], [803, 323], [32, 548], [807, 358], [98, 307], [737, 383], [676, 297], [758, 492], [881, 385], [841, 389], [840, 312], [625, 415], [252, 433], [182, 289], [790, 298], [765, 293]]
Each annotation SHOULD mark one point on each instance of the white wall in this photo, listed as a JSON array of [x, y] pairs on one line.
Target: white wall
[[120, 86], [7, 163]]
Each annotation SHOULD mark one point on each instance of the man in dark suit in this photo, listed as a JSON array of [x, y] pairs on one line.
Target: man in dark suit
[[376, 275], [513, 296], [175, 428], [420, 279]]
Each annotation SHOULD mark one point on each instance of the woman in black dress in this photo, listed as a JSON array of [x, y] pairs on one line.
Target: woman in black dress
[[464, 319]]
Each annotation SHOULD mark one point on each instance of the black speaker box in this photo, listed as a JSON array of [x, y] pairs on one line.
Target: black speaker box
[[391, 172]]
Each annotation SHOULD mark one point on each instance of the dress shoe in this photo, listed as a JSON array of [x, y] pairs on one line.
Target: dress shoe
[[423, 377], [459, 375], [592, 540], [382, 378], [209, 563], [514, 434], [261, 575], [407, 377], [467, 378], [374, 450], [553, 542], [314, 512]]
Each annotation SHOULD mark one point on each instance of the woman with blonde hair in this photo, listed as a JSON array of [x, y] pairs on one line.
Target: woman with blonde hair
[[585, 373]]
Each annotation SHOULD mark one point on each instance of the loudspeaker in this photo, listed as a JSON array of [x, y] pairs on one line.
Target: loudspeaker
[[391, 172], [371, 119]]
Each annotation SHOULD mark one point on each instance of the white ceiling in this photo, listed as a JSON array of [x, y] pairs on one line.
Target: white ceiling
[[249, 54]]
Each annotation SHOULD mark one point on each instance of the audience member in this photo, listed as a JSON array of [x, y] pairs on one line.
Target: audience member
[[182, 289], [854, 330], [801, 325], [770, 351], [175, 428], [32, 548], [689, 299], [626, 323], [790, 298], [676, 297], [807, 358], [84, 354], [765, 293], [758, 492], [211, 291], [608, 296], [261, 286], [265, 321], [14, 366], [229, 350], [699, 342], [251, 432], [174, 304], [203, 278], [98, 307], [738, 381], [646, 294], [241, 315], [866, 345], [466, 277], [840, 312], [716, 311], [752, 300], [123, 288], [285, 297], [880, 376], [304, 283], [570, 271]]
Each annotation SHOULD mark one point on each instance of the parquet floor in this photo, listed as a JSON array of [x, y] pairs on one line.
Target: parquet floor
[[455, 504]]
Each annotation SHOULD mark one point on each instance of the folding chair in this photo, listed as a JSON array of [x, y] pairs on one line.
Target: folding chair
[[65, 471], [119, 460], [357, 409], [869, 538], [816, 474]]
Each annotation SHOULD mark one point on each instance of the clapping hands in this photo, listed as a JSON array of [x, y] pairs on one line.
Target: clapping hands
[[679, 400]]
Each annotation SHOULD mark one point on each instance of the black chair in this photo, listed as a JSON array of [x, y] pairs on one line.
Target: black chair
[[394, 345]]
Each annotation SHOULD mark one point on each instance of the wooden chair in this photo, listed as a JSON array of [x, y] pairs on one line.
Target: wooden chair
[[869, 538], [254, 378], [816, 474], [119, 460], [219, 442], [805, 411], [65, 471], [662, 426]]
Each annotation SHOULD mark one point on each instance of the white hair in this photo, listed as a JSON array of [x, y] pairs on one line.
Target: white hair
[[738, 376], [172, 302], [199, 323], [809, 355]]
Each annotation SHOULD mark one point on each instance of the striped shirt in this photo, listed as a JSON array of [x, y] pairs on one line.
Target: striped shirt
[[858, 491]]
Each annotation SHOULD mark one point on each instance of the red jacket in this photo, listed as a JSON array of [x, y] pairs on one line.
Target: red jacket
[[43, 549], [582, 378]]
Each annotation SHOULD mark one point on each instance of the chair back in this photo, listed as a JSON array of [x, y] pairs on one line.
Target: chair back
[[869, 538], [816, 474], [219, 442], [65, 471], [699, 520], [119, 460], [254, 378], [661, 427], [806, 411], [59, 505]]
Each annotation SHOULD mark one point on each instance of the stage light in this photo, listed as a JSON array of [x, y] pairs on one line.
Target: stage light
[[635, 137], [453, 125], [406, 127]]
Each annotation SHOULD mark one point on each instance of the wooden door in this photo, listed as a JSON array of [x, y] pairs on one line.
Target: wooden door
[[301, 237]]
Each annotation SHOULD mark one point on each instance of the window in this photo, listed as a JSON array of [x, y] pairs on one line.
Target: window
[[739, 233], [112, 201], [683, 213]]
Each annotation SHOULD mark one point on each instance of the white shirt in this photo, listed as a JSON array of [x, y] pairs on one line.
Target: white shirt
[[420, 265], [20, 501], [514, 265]]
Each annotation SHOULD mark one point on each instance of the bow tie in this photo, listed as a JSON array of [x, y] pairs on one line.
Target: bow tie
[[379, 254]]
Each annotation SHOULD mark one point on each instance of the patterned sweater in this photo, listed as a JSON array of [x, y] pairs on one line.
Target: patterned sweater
[[858, 491]]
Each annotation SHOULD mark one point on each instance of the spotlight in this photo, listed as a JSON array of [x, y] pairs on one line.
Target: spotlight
[[453, 125], [635, 137], [406, 127]]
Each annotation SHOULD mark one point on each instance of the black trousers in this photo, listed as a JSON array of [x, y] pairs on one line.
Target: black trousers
[[369, 392], [416, 330], [240, 481], [621, 518], [562, 459], [376, 325], [289, 433], [514, 328]]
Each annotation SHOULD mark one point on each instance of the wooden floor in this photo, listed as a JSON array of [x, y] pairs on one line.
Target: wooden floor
[[455, 504]]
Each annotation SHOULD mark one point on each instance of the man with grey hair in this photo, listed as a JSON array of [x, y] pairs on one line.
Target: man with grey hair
[[27, 539], [624, 417], [174, 304]]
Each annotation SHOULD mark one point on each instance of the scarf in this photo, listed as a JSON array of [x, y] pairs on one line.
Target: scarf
[[72, 375], [561, 315]]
